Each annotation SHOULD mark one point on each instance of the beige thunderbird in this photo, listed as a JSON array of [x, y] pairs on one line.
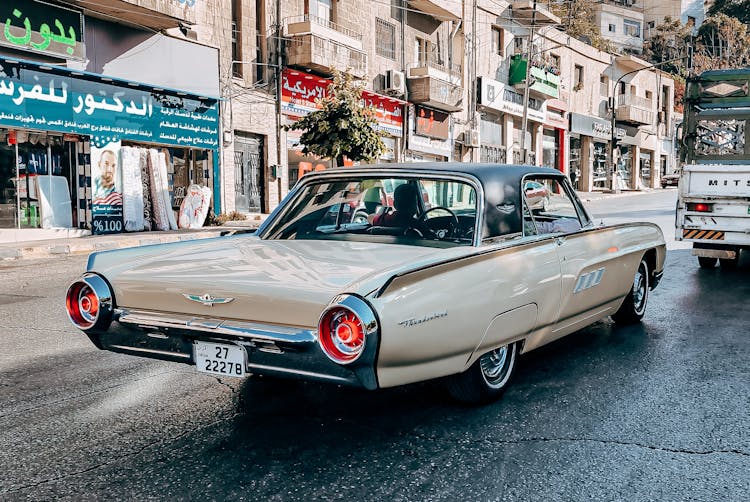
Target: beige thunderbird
[[379, 276]]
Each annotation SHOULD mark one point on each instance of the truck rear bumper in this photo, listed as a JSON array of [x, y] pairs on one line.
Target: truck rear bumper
[[723, 254]]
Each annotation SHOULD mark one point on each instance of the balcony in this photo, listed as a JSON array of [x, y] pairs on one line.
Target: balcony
[[545, 80], [442, 70], [525, 14], [154, 14], [443, 10], [323, 54], [312, 25], [436, 93], [634, 109]]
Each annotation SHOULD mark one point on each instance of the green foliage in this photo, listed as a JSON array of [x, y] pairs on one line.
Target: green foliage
[[739, 9], [578, 21], [224, 217], [342, 127], [671, 40], [723, 42]]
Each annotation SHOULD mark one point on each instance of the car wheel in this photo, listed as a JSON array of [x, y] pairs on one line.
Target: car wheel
[[632, 309], [707, 262], [486, 379]]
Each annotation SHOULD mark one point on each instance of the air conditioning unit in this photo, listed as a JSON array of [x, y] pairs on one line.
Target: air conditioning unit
[[395, 82], [472, 138]]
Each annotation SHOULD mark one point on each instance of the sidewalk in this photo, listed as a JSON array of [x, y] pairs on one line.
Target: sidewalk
[[74, 243], [90, 243]]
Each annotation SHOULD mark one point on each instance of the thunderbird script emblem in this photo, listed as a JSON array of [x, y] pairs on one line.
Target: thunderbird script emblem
[[207, 299]]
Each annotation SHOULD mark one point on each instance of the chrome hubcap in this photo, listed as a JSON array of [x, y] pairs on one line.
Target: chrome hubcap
[[494, 365], [639, 289]]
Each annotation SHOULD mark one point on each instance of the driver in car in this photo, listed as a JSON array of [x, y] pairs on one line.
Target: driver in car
[[405, 205]]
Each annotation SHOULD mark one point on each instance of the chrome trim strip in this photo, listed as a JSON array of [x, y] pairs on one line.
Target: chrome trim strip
[[129, 348], [241, 329], [311, 374]]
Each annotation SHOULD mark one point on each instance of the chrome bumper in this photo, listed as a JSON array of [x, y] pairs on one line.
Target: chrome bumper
[[271, 349]]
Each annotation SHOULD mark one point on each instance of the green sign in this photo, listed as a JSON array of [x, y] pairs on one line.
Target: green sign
[[39, 27], [49, 99]]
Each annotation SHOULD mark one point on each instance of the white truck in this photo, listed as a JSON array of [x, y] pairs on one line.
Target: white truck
[[713, 205]]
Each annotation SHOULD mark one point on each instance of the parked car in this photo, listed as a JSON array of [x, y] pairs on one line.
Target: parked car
[[670, 180], [477, 278]]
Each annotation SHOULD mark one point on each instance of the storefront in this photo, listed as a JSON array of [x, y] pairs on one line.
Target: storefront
[[554, 144], [430, 135], [299, 92], [589, 139], [497, 98], [88, 151]]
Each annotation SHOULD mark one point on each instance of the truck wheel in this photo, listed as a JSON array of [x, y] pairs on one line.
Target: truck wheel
[[486, 379], [634, 306], [730, 263], [707, 262]]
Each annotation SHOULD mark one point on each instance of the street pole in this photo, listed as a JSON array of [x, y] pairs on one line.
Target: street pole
[[525, 120], [279, 170]]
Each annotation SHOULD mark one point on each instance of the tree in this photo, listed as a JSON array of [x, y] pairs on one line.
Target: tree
[[342, 127], [578, 21], [739, 9], [671, 40], [723, 42]]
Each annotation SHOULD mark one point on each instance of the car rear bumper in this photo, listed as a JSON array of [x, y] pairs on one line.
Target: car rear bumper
[[271, 349]]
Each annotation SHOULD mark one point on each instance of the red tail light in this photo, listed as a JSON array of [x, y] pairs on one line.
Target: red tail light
[[89, 302], [700, 207], [342, 335]]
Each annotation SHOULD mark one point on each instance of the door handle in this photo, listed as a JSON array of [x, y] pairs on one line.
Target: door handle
[[560, 241]]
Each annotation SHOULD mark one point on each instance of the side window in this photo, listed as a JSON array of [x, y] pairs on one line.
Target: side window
[[548, 208]]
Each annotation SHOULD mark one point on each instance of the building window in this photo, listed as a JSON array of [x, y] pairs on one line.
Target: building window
[[237, 38], [603, 85], [555, 60], [578, 78], [652, 24], [649, 95], [519, 44], [422, 49], [385, 39], [322, 10], [498, 41], [632, 28], [612, 28]]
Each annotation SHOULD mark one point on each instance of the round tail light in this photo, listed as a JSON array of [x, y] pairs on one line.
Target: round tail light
[[89, 302], [343, 329]]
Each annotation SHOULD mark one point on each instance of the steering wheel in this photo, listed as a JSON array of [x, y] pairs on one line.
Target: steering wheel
[[446, 227]]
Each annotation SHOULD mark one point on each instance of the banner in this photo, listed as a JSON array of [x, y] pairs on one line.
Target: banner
[[106, 185]]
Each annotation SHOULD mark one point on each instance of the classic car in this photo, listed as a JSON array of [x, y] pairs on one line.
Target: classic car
[[460, 288]]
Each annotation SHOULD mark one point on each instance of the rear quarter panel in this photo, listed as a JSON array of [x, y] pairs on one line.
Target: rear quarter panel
[[437, 321]]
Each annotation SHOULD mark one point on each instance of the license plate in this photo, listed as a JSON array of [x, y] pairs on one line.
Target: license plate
[[220, 359]]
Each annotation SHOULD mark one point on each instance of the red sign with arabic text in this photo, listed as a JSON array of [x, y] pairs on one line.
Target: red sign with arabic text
[[300, 91]]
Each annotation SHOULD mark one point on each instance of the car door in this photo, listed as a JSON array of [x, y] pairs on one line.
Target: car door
[[593, 273]]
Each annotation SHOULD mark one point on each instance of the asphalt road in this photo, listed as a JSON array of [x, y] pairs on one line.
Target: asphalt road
[[659, 411]]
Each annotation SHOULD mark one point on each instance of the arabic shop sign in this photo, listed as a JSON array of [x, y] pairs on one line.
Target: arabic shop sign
[[35, 99], [300, 91], [40, 27]]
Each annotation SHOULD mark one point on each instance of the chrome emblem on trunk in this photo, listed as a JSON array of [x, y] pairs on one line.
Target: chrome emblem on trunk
[[207, 299]]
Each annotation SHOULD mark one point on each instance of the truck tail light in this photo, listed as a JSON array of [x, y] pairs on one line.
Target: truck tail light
[[89, 302], [700, 207], [343, 329]]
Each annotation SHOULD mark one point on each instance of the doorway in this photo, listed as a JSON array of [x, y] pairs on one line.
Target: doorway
[[248, 173]]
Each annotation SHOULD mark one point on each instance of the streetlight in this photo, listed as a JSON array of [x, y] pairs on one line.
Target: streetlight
[[613, 131]]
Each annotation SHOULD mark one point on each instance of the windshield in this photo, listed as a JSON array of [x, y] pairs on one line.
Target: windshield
[[404, 210]]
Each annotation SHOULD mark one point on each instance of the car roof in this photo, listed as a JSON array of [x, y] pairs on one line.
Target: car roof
[[486, 173]]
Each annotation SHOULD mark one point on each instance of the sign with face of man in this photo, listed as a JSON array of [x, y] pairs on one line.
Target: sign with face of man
[[106, 184]]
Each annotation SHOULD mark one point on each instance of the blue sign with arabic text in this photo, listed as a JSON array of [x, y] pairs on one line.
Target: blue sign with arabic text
[[47, 100], [35, 26]]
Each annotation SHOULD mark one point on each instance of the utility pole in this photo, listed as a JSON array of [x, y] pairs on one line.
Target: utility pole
[[279, 32], [525, 121]]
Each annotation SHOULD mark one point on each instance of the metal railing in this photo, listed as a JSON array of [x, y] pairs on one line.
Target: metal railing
[[324, 23], [636, 101]]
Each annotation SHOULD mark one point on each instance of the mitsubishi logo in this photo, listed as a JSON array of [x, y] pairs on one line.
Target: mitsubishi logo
[[207, 299]]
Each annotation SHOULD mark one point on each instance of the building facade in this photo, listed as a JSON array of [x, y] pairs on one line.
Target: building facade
[[90, 94]]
